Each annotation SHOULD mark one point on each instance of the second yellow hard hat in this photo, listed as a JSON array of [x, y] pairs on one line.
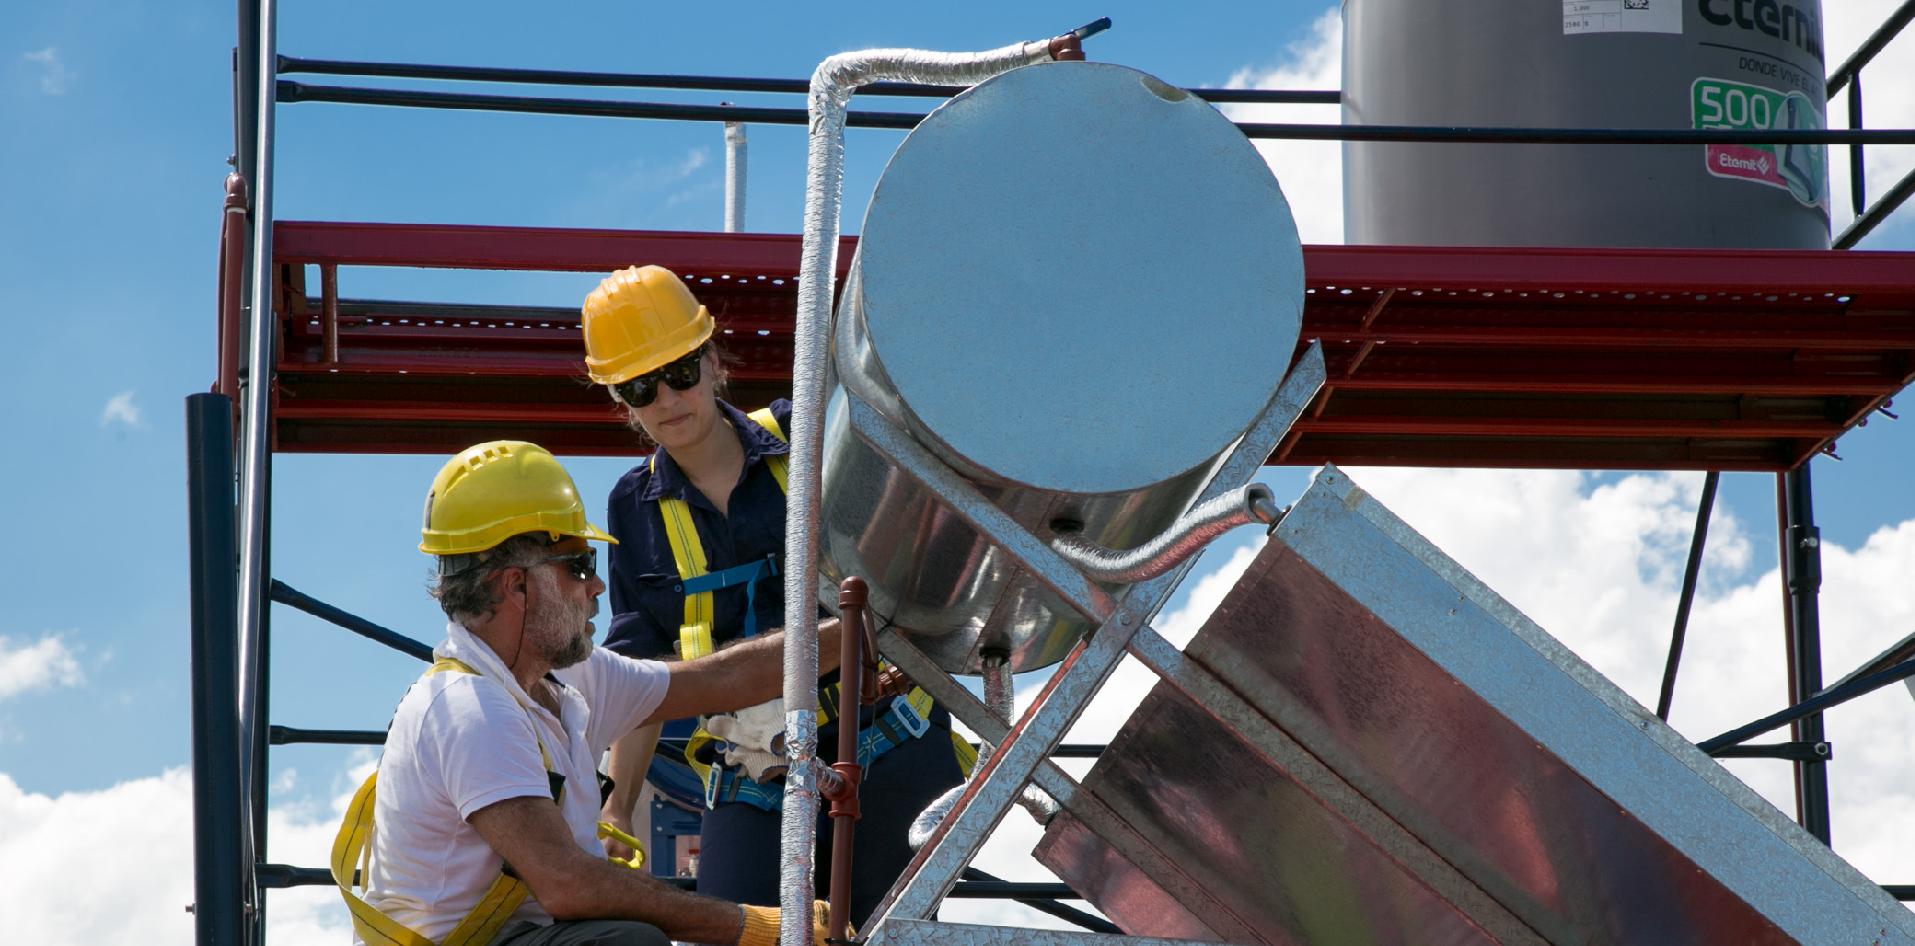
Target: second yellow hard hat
[[639, 320]]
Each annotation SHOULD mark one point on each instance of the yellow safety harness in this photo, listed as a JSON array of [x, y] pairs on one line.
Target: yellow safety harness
[[352, 853], [688, 553], [910, 715]]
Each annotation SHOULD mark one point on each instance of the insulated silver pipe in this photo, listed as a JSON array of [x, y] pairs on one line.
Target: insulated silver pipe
[[734, 177], [1185, 537], [832, 85], [256, 442], [1000, 697]]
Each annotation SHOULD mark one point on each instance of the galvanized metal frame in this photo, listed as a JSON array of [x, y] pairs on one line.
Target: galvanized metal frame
[[1026, 747], [1057, 783]]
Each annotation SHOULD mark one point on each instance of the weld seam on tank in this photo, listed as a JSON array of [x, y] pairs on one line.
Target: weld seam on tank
[[832, 85], [1184, 538]]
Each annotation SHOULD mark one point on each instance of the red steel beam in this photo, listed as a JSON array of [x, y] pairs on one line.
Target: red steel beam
[[1504, 269], [1430, 349], [448, 246], [1728, 457], [1542, 327], [1566, 427], [1750, 273]]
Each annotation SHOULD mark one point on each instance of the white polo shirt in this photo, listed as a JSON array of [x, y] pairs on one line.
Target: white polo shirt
[[460, 742]]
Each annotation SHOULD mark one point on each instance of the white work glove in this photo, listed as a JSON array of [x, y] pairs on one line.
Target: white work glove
[[754, 739]]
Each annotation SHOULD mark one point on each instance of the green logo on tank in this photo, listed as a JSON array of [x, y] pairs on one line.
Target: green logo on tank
[[1802, 170]]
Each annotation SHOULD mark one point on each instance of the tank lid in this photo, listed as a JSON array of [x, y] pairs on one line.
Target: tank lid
[[1081, 278]]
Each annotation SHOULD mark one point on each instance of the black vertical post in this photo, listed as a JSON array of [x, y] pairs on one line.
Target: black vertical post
[[1858, 174], [219, 896], [1801, 555], [262, 730], [245, 153], [246, 87]]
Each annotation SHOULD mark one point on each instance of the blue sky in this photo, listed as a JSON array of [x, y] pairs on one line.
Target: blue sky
[[119, 121]]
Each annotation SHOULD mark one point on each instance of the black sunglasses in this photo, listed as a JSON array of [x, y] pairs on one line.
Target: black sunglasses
[[682, 375], [582, 565]]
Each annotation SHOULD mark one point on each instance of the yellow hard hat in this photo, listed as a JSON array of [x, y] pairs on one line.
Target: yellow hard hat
[[639, 320], [493, 491]]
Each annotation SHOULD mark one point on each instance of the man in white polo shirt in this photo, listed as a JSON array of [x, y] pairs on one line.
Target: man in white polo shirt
[[484, 826]]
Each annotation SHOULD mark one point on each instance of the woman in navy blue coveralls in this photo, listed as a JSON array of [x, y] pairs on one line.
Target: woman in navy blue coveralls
[[714, 457]]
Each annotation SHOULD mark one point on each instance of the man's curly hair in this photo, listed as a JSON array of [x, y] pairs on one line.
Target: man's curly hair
[[462, 583]]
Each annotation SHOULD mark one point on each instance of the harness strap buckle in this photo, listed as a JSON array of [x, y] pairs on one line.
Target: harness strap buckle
[[908, 718]]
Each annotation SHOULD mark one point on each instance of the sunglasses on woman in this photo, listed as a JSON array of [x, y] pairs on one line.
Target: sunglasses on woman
[[682, 375]]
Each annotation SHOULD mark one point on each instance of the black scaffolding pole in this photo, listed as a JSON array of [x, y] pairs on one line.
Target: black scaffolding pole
[[1801, 563], [219, 896]]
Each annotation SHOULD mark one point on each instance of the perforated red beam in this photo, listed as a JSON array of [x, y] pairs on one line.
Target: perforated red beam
[[1507, 269], [447, 246], [1598, 358], [1525, 269]]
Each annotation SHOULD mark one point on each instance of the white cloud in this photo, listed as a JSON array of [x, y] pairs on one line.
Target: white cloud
[[44, 663], [693, 160], [116, 866], [55, 77], [1888, 99], [120, 409], [659, 184], [1311, 172], [651, 174]]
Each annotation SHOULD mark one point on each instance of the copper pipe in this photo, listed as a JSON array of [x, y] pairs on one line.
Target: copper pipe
[[852, 594], [329, 311], [232, 250]]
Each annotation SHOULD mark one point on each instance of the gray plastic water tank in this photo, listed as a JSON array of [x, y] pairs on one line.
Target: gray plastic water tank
[[1585, 64]]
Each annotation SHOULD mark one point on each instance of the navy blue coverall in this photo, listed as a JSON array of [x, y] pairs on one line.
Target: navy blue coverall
[[739, 846]]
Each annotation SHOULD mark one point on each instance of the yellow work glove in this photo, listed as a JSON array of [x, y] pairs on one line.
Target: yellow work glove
[[761, 925]]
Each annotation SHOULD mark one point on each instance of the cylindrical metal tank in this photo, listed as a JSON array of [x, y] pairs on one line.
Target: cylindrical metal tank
[[1077, 286], [1747, 64]]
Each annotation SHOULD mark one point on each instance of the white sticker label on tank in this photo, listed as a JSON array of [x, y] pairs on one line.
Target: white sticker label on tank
[[1622, 16], [1802, 170]]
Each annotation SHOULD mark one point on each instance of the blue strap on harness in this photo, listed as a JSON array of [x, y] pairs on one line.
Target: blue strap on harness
[[747, 575], [894, 727]]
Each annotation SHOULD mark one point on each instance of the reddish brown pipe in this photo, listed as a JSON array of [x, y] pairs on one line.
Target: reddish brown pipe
[[329, 312], [232, 258], [852, 594], [868, 685]]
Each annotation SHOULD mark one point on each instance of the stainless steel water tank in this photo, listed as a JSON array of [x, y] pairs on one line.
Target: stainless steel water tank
[[1077, 286], [1585, 64]]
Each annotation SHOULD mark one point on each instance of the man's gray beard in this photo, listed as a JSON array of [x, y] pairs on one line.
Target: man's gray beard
[[575, 652], [567, 624]]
